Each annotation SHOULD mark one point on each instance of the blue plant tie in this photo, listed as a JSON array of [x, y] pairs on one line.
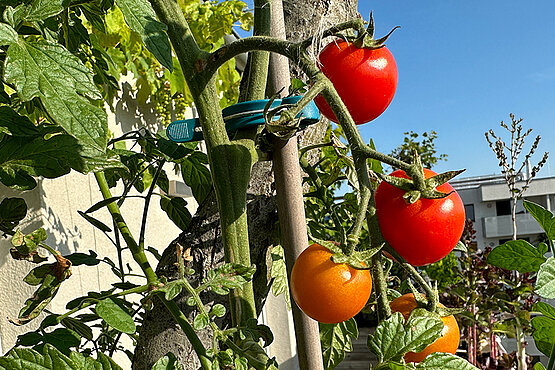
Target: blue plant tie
[[239, 116]]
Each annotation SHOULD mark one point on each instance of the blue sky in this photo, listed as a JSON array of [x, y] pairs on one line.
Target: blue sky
[[463, 67]]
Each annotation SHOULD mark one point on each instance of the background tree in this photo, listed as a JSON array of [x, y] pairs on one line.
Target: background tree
[[424, 146]]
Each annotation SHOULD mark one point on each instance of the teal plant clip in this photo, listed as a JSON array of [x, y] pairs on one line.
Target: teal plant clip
[[241, 115]]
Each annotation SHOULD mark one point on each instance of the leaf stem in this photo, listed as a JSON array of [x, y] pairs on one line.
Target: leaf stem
[[147, 203]]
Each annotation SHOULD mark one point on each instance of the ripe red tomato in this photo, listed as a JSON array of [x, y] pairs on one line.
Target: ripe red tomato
[[326, 291], [364, 78], [425, 231], [450, 336]]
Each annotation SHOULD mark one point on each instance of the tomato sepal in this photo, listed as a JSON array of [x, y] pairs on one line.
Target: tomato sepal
[[366, 38]]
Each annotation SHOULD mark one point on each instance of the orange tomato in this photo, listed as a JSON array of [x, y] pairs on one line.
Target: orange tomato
[[450, 336], [326, 291]]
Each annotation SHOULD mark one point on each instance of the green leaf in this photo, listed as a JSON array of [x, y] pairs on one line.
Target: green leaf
[[336, 340], [229, 276], [53, 359], [393, 338], [43, 295], [39, 10], [176, 209], [7, 34], [141, 18], [63, 339], [172, 290], [95, 222], [543, 216], [544, 334], [12, 211], [50, 72], [539, 366], [196, 175], [545, 282], [22, 158], [167, 362], [516, 255], [544, 308], [218, 310], [445, 361], [115, 316], [200, 321], [101, 204], [78, 327], [278, 273]]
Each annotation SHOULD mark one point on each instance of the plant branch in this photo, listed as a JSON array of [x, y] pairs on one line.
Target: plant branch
[[147, 203]]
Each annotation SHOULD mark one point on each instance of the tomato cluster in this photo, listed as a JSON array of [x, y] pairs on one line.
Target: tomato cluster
[[326, 291], [447, 342]]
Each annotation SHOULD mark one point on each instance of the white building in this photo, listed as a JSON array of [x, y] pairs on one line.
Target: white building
[[487, 202]]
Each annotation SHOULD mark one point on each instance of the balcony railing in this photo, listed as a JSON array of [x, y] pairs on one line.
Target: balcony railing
[[501, 226]]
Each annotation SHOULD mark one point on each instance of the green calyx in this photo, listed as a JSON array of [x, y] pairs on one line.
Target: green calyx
[[366, 38], [417, 186]]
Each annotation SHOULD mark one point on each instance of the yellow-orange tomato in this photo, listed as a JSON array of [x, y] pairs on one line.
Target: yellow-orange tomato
[[450, 336], [326, 291]]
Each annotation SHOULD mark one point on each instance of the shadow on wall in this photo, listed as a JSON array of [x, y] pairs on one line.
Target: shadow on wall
[[29, 223], [130, 116]]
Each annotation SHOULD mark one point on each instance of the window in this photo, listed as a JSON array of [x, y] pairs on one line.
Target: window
[[469, 211], [503, 207]]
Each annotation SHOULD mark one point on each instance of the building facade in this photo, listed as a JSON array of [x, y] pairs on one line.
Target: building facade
[[487, 203]]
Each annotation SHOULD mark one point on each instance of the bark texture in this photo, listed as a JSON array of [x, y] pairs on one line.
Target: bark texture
[[159, 334]]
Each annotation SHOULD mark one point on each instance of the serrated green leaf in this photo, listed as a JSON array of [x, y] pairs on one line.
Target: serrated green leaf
[[545, 308], [544, 334], [545, 282], [141, 18], [7, 34], [278, 273], [177, 211], [167, 362], [229, 276], [545, 218], [115, 316], [336, 340], [445, 361], [200, 321], [39, 10], [393, 338], [50, 72], [196, 175], [516, 255], [12, 211], [53, 359]]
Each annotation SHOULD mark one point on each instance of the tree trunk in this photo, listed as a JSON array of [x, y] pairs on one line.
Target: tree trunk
[[159, 334]]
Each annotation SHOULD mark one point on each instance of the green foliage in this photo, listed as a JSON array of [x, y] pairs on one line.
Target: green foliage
[[517, 255], [52, 359], [112, 311], [444, 271], [393, 337], [12, 211], [425, 147], [336, 340]]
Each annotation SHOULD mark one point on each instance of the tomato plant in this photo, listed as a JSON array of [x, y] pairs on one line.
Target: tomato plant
[[450, 336], [326, 291], [422, 232], [365, 79]]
